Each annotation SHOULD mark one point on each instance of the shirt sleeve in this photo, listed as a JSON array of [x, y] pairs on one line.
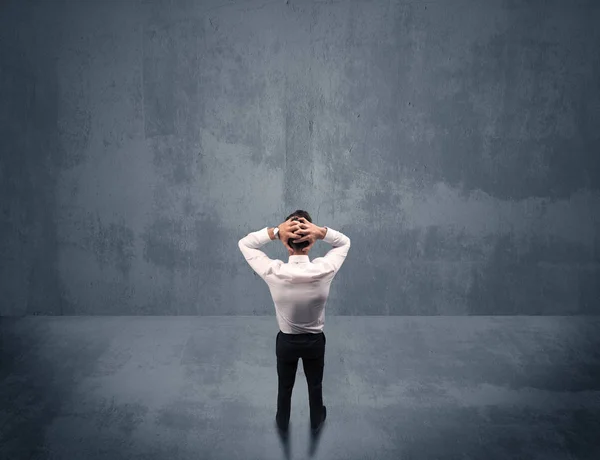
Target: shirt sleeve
[[337, 255], [257, 259]]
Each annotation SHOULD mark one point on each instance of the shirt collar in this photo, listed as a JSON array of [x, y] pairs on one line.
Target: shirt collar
[[299, 259]]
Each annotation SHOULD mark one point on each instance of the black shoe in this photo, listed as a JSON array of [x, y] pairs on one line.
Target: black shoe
[[315, 431], [284, 437], [283, 434]]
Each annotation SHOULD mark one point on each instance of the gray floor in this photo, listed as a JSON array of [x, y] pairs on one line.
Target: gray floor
[[205, 388]]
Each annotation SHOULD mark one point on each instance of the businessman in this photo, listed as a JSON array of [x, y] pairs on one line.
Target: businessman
[[299, 289]]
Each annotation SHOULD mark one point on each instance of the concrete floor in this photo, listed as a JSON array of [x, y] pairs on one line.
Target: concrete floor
[[205, 388]]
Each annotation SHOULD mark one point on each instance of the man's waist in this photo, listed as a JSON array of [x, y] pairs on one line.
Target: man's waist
[[301, 334]]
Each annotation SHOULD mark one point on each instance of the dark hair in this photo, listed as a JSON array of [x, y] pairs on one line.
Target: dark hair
[[294, 216]]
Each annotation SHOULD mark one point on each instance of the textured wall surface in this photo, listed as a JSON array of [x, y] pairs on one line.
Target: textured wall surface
[[456, 143]]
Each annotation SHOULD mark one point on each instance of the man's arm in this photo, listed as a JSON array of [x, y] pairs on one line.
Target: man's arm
[[341, 245], [257, 259]]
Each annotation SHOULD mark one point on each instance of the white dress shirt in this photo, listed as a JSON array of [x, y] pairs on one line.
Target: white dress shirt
[[299, 288]]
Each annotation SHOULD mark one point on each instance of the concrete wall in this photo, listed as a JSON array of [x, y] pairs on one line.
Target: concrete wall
[[456, 143], [30, 281]]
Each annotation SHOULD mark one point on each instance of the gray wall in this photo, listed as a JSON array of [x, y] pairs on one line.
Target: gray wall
[[456, 143]]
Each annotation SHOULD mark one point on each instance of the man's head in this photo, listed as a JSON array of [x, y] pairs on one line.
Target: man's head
[[294, 216]]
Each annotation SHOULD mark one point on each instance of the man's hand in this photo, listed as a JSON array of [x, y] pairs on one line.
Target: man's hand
[[287, 230], [308, 232]]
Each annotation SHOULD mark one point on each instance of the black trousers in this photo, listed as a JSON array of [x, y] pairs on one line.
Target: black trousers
[[289, 348]]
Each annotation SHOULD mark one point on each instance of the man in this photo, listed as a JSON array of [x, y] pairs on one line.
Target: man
[[299, 289]]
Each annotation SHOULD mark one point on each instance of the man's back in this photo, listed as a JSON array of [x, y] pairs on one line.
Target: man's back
[[300, 288]]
